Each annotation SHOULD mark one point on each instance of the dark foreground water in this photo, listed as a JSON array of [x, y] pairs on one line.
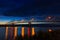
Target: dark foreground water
[[2, 30]]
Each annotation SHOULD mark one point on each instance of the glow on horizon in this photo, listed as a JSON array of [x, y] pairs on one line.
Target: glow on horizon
[[5, 19], [4, 22]]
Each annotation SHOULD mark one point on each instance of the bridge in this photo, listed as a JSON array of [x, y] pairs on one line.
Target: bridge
[[17, 23], [30, 24]]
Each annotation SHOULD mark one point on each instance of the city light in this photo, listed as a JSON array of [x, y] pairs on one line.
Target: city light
[[50, 30]]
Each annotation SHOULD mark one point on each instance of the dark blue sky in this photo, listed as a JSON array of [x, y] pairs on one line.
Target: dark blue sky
[[29, 7]]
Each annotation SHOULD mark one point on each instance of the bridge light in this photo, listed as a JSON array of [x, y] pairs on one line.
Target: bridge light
[[48, 18], [22, 32], [33, 31]]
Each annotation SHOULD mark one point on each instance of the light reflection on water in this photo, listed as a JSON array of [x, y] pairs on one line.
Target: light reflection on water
[[37, 29], [2, 30]]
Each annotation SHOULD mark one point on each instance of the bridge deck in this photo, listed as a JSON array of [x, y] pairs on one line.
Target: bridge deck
[[31, 24]]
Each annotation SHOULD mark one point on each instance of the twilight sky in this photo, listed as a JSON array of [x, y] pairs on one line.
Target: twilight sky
[[9, 9], [29, 7]]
